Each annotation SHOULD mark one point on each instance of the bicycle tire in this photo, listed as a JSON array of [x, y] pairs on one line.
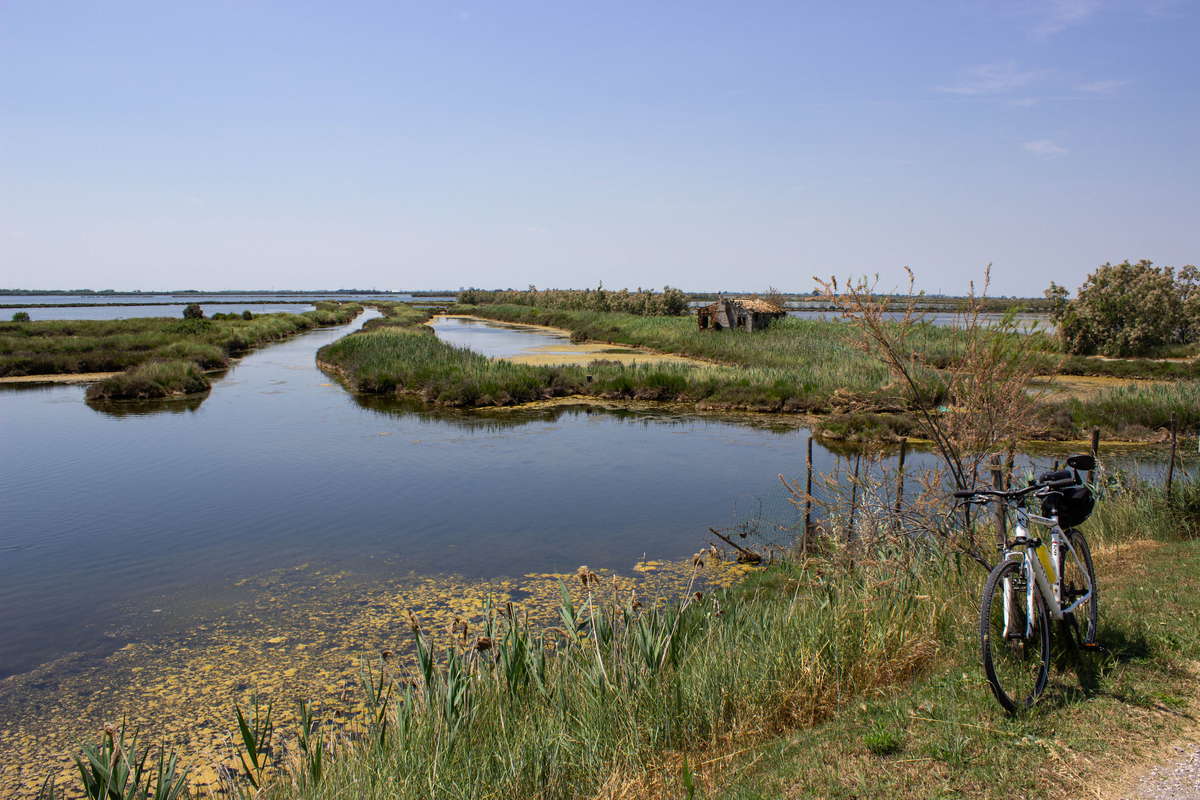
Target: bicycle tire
[[1018, 669], [1087, 615]]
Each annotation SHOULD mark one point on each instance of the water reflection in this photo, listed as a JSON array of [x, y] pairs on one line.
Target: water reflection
[[140, 408]]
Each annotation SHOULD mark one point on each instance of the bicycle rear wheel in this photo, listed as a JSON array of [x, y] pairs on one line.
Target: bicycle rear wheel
[[1075, 582], [1015, 660]]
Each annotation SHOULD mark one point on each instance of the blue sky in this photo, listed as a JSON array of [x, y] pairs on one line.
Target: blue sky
[[704, 145]]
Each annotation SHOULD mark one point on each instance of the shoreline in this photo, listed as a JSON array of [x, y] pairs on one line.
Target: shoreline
[[62, 377]]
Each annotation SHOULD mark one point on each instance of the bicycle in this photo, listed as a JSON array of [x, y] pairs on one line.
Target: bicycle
[[1034, 583]]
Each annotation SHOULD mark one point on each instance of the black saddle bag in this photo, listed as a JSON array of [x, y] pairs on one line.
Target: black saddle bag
[[1072, 505]]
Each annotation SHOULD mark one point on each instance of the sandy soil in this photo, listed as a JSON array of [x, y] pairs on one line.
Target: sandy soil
[[76, 377], [569, 354]]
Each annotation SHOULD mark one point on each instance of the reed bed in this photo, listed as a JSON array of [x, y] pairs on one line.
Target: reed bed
[[517, 712]]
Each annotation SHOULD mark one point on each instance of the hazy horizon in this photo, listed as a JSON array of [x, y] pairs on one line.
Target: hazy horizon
[[705, 145]]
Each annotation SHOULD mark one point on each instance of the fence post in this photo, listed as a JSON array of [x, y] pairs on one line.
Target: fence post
[[1095, 453], [808, 496], [1001, 517], [1171, 462], [900, 478], [854, 494]]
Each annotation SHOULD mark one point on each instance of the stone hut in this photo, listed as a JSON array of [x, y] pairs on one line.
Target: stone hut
[[738, 313]]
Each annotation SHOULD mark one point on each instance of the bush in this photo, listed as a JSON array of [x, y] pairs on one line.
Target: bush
[[246, 315], [1128, 309], [193, 311], [21, 316]]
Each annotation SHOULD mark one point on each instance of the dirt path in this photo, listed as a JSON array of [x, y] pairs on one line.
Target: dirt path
[[1177, 779]]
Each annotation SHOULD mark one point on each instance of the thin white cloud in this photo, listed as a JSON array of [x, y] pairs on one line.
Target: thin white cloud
[[1101, 87], [1046, 148], [1026, 102], [1058, 15], [992, 79]]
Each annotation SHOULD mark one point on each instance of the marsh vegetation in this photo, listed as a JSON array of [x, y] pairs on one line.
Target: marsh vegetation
[[160, 356], [796, 366]]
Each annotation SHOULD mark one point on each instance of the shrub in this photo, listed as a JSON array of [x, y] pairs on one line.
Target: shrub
[[1128, 309], [21, 316], [193, 311], [246, 315]]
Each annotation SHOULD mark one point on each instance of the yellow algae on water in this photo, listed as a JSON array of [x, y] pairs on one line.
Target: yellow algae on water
[[181, 689]]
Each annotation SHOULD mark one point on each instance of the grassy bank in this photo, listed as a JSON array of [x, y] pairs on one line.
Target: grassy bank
[[154, 351], [805, 366], [796, 366], [822, 677]]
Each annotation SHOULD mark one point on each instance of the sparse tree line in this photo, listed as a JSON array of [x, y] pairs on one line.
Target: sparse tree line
[[1129, 309], [669, 302]]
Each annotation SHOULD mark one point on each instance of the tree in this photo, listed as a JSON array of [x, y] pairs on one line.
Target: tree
[[1127, 309], [193, 311], [21, 316]]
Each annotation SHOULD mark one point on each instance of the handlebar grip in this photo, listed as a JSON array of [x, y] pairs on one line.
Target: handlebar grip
[[1062, 484], [965, 493]]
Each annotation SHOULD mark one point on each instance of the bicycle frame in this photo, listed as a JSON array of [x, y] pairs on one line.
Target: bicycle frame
[[1038, 567]]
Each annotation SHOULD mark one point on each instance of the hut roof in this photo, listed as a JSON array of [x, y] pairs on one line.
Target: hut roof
[[762, 306], [750, 304]]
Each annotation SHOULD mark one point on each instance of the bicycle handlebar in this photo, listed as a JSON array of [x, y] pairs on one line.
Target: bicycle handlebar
[[1062, 483]]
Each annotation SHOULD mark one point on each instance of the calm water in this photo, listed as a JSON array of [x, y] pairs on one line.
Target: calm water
[[212, 304], [111, 516], [495, 339], [166, 297], [127, 312]]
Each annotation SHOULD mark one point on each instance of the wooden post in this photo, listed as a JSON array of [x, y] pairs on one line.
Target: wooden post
[[1001, 517], [1095, 453], [1171, 462], [808, 497], [854, 494], [900, 478]]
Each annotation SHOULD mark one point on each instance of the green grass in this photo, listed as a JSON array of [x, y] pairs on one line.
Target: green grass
[[152, 380], [1135, 411], [1101, 718]]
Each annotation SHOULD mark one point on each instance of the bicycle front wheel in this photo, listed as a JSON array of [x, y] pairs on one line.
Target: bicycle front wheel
[[1077, 574], [1015, 649]]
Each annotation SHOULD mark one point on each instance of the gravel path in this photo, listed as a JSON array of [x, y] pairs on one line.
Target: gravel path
[[1178, 779]]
